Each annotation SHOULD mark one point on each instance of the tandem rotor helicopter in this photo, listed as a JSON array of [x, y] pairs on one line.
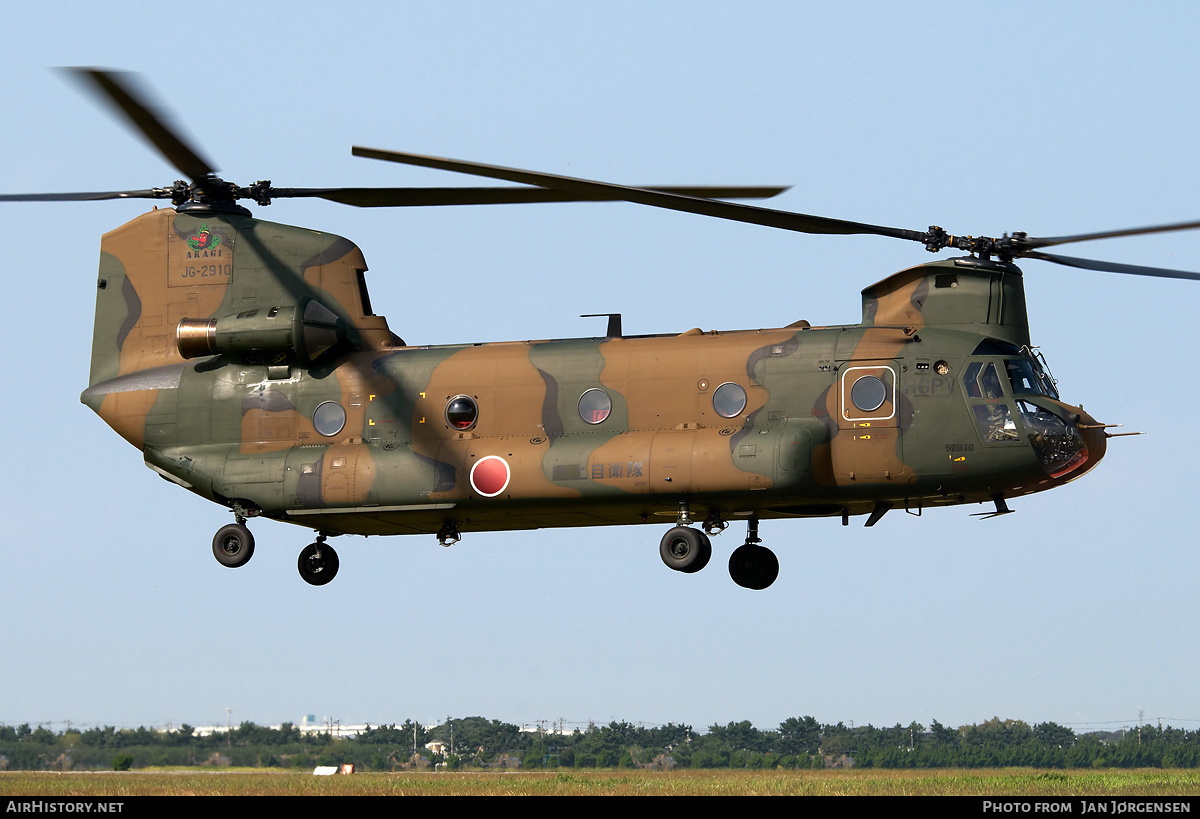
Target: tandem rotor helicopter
[[243, 358]]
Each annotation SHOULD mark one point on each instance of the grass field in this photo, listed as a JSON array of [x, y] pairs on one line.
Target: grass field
[[1002, 782]]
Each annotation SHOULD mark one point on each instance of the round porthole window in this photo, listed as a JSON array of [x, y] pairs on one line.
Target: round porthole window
[[329, 418], [594, 406], [462, 412], [868, 393], [729, 400]]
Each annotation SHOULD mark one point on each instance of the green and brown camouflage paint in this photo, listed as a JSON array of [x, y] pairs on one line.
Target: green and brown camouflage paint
[[238, 429]]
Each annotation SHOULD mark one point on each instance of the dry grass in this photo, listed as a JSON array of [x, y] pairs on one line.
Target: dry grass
[[1004, 782]]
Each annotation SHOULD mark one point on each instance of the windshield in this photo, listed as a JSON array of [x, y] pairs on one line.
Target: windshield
[[1022, 377], [1026, 375]]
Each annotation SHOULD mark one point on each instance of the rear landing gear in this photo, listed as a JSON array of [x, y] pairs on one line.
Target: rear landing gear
[[318, 563], [448, 535], [751, 565], [233, 545]]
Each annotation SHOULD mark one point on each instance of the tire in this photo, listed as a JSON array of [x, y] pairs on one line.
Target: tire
[[753, 567], [685, 549], [704, 556], [317, 571], [233, 545]]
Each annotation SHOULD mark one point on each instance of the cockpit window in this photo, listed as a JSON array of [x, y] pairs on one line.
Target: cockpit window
[[982, 381], [995, 423], [971, 380], [1022, 376], [994, 417], [1043, 371], [991, 382]]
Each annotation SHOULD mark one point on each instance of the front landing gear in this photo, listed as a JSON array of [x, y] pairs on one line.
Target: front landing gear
[[753, 566], [685, 549], [318, 563], [233, 545]]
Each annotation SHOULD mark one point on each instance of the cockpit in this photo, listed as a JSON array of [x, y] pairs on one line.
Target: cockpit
[[1034, 413]]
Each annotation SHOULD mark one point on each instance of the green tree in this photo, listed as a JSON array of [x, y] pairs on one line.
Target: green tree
[[1052, 735], [799, 736]]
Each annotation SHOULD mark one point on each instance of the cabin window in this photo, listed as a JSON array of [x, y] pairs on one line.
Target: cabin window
[[868, 393], [729, 400], [462, 412], [594, 406], [329, 418]]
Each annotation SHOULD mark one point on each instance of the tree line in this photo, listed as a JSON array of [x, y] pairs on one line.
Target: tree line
[[476, 742]]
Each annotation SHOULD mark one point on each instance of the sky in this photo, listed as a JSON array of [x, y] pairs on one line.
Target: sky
[[1048, 118]]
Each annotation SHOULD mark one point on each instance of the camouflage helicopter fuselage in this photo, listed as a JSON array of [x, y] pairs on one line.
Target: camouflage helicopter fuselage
[[243, 359]]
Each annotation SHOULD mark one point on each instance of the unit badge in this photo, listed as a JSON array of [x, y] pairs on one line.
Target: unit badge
[[203, 239]]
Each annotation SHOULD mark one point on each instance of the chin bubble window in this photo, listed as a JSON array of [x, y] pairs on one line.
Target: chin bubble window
[[594, 406], [462, 412], [329, 418], [729, 400]]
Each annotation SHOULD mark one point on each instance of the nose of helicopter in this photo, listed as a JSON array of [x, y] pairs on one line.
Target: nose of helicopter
[[1094, 435], [1094, 438]]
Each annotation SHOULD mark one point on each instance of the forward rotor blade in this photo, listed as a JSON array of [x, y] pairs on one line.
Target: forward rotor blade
[[94, 196], [783, 220], [116, 89], [1033, 242], [426, 197], [1113, 267]]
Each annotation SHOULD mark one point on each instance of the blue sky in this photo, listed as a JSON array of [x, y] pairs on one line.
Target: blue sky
[[1048, 118]]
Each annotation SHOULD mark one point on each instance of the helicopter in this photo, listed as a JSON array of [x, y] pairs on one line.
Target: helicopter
[[244, 359]]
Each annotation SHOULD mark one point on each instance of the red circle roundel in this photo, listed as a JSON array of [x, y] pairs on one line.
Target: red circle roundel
[[489, 476]]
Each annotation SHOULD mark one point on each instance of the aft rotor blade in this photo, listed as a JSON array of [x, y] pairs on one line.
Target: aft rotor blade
[[1113, 267], [117, 89], [426, 197], [1034, 242], [94, 196], [783, 220]]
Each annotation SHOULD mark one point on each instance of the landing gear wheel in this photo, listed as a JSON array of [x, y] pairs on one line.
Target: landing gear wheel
[[233, 545], [753, 567], [685, 549], [318, 564]]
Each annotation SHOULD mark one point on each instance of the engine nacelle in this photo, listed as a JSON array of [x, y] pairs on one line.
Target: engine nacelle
[[295, 334]]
